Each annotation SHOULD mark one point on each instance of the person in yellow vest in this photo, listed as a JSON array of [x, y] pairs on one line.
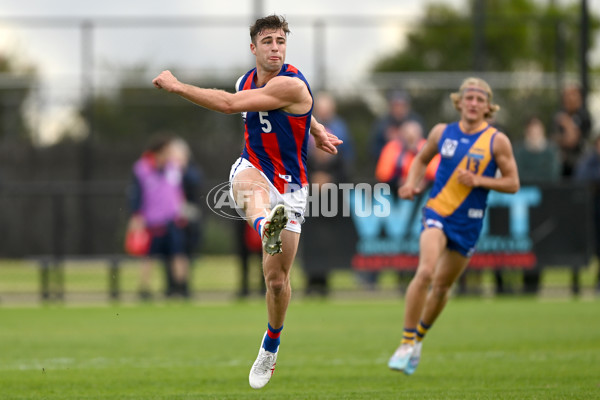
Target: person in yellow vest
[[472, 153]]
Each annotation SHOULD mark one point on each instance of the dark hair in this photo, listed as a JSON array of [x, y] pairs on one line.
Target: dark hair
[[269, 22]]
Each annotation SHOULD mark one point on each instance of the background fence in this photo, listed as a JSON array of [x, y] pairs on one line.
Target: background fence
[[68, 197]]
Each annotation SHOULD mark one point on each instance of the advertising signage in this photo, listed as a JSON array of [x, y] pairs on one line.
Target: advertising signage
[[538, 225]]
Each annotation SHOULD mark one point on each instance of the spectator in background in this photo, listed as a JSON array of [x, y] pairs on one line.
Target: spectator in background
[[397, 155], [190, 213], [156, 203], [387, 127], [538, 161], [573, 124], [588, 170], [324, 168], [392, 168], [325, 110]]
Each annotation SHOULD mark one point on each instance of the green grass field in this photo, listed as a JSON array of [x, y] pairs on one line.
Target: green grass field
[[505, 348], [220, 274]]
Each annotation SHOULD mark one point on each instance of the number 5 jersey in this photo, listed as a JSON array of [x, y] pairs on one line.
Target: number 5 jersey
[[276, 141]]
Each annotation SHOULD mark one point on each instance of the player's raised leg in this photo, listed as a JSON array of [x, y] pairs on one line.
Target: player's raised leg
[[272, 226], [251, 192], [277, 278]]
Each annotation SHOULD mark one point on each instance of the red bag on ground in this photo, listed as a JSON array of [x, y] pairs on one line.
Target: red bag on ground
[[137, 242]]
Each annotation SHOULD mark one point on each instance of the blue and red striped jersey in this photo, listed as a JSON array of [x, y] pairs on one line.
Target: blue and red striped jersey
[[276, 141]]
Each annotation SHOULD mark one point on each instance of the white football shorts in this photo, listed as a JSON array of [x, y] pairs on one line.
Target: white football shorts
[[295, 202]]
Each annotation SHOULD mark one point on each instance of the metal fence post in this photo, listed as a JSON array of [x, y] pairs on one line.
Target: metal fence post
[[113, 278]]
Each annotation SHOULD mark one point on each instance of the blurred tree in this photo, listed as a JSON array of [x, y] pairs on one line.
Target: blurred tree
[[16, 83], [518, 35], [131, 113]]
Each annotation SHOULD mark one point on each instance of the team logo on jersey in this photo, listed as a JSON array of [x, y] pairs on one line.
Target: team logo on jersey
[[449, 147], [287, 178], [476, 213]]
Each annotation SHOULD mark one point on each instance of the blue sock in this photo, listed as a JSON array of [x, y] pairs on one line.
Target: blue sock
[[271, 342]]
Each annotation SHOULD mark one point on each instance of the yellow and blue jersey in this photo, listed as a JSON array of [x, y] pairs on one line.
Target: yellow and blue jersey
[[453, 207]]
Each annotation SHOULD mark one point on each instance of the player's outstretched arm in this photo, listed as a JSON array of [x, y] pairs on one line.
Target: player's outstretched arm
[[324, 139], [290, 94], [212, 99]]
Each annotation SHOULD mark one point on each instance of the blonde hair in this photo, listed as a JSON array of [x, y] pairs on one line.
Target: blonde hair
[[481, 84], [180, 151]]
